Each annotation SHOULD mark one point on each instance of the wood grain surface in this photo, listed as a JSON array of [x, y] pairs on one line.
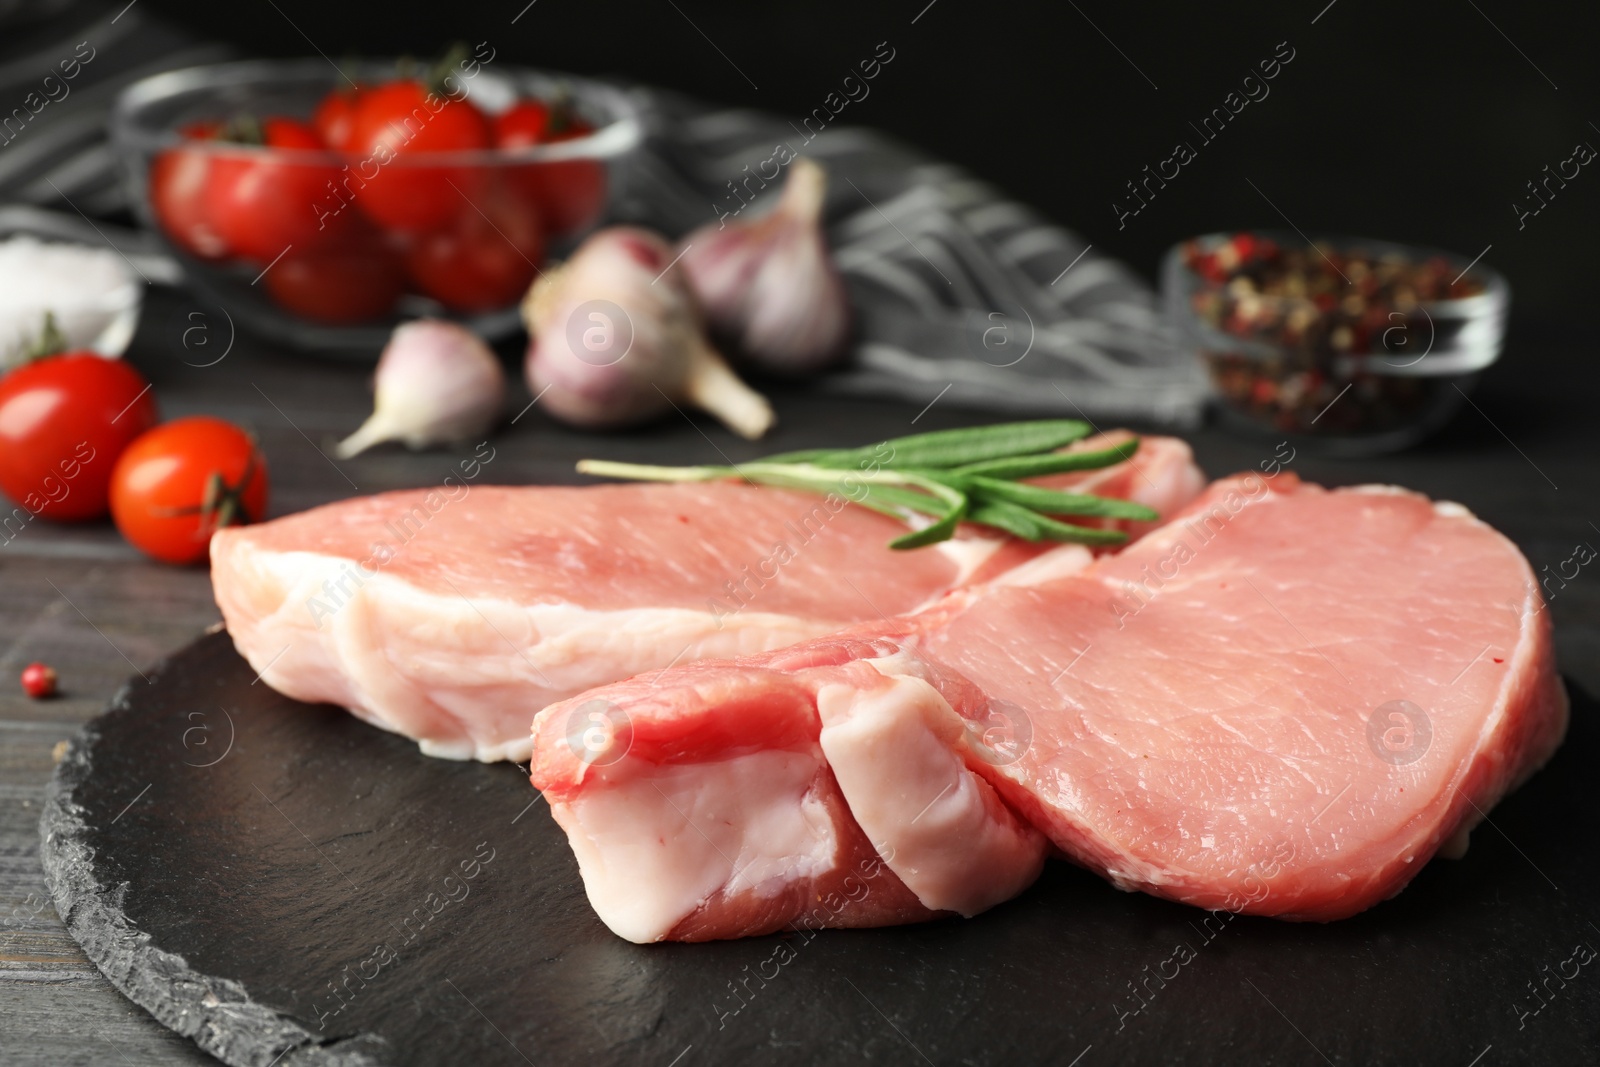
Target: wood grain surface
[[81, 600]]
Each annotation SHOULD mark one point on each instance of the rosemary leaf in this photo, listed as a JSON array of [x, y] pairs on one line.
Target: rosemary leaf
[[1017, 521], [897, 501], [942, 530], [1051, 502], [1041, 528], [951, 448], [1051, 463]]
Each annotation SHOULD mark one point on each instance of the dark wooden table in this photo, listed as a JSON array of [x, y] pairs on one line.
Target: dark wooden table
[[82, 600]]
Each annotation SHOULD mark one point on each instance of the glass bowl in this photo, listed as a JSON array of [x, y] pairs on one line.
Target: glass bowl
[[366, 241], [1346, 346]]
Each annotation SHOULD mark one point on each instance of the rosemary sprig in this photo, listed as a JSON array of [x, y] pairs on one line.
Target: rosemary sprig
[[952, 476]]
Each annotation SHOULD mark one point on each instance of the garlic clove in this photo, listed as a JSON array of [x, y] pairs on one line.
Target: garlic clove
[[616, 338], [436, 383], [711, 385], [769, 285]]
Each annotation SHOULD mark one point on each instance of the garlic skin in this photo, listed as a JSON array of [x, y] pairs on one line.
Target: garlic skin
[[616, 338], [769, 286], [436, 383]]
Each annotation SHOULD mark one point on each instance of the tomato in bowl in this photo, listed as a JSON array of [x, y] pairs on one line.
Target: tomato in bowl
[[323, 206]]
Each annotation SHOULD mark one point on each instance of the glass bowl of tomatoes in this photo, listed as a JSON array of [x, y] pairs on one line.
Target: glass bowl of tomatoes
[[1347, 346], [320, 205]]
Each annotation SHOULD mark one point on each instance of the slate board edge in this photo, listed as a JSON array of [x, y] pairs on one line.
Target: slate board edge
[[215, 1013]]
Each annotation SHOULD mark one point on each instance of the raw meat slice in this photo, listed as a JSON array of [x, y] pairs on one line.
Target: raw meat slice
[[1286, 701], [807, 790], [1283, 702], [453, 615]]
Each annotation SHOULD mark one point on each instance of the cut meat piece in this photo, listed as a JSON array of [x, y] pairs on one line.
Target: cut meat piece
[[1283, 702], [810, 790], [453, 615]]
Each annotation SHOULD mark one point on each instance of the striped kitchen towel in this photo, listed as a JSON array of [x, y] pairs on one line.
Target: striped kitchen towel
[[959, 292], [58, 79]]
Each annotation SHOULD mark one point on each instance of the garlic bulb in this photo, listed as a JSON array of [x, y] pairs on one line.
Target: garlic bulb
[[437, 382], [616, 338], [769, 286]]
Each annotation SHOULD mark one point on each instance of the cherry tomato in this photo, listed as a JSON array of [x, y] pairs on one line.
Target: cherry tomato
[[64, 420], [39, 681], [177, 194], [522, 125], [335, 116], [570, 193], [487, 259], [394, 127], [355, 278], [182, 481], [260, 202]]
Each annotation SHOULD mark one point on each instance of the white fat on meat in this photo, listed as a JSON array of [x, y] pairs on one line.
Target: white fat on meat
[[658, 842], [900, 754], [466, 677], [731, 841]]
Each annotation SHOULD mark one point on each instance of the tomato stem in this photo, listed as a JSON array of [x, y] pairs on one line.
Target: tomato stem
[[433, 79], [243, 128], [51, 341], [563, 115], [220, 503]]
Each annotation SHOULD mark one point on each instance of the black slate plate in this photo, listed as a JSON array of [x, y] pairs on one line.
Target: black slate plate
[[228, 857]]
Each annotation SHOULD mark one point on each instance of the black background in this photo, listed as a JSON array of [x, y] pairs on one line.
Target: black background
[[1418, 122]]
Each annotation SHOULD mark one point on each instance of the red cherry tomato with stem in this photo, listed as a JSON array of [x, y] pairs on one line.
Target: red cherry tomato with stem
[[182, 481], [64, 420], [522, 125], [570, 193], [394, 129], [335, 116], [263, 198]]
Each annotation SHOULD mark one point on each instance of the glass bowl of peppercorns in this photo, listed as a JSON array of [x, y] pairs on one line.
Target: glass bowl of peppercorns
[[1349, 346]]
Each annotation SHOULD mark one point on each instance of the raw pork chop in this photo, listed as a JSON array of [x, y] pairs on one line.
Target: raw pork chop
[[452, 616], [732, 800], [1283, 702]]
